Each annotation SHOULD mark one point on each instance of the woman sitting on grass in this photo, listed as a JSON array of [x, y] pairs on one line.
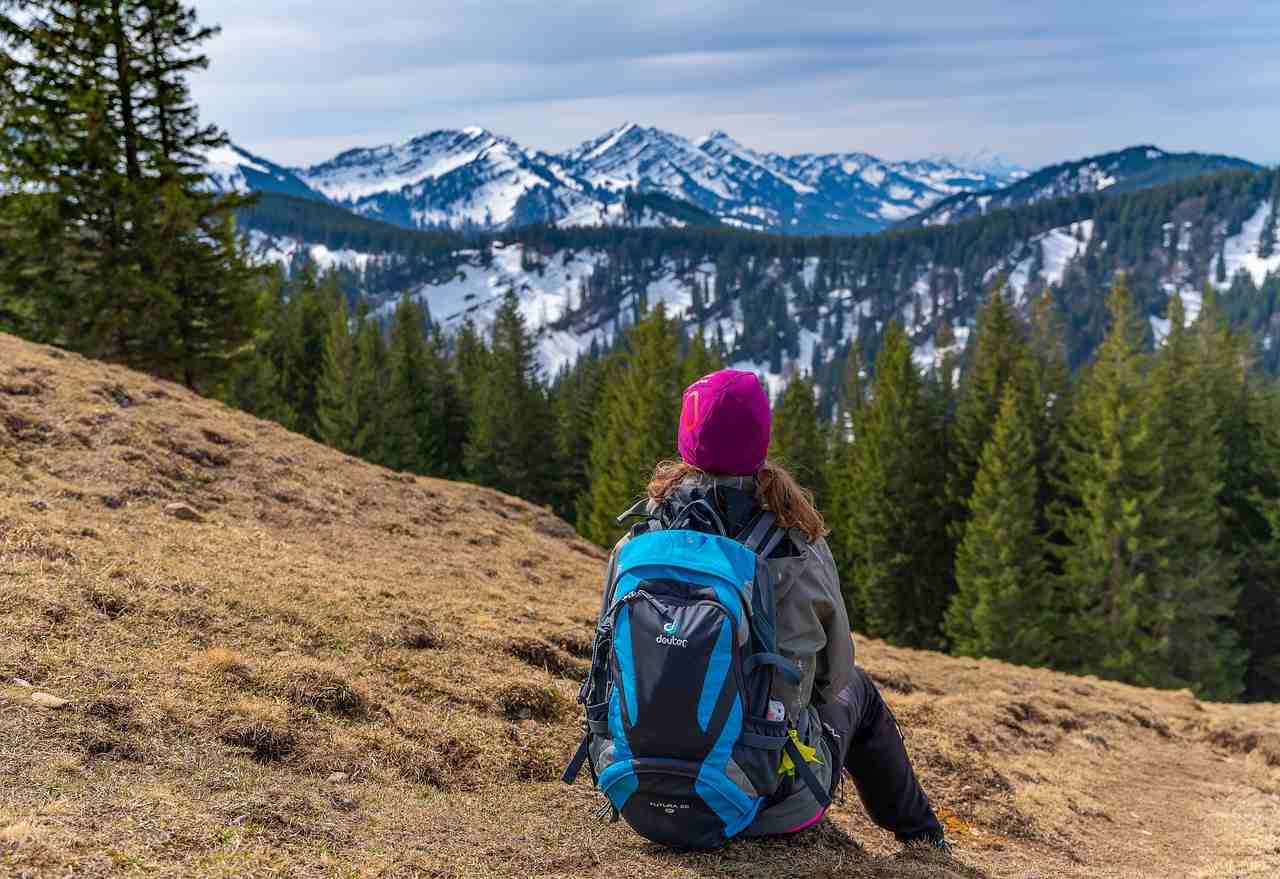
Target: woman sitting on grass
[[836, 709]]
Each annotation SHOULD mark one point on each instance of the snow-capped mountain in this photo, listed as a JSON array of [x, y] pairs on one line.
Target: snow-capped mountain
[[474, 179], [457, 179], [1123, 171], [232, 169]]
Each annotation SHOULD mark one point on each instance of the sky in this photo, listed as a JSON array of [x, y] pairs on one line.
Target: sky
[[298, 81]]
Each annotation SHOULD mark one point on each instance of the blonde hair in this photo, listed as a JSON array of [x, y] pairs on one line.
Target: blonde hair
[[776, 489]]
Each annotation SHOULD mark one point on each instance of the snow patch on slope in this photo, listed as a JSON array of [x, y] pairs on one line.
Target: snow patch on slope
[[286, 251], [1242, 252], [1057, 249]]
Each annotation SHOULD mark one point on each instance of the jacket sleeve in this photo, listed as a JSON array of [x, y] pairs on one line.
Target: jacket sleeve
[[835, 662], [813, 627]]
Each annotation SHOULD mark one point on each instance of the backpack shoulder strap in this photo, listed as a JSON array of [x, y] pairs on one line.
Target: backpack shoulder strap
[[638, 510], [763, 537]]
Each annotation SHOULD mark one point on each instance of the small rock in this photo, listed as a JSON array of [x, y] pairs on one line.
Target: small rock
[[338, 778], [39, 506], [26, 685], [112, 502], [185, 512], [50, 701]]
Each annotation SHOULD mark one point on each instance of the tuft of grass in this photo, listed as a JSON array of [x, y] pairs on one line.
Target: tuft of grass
[[221, 661], [21, 832], [110, 602], [536, 763], [260, 728], [540, 654], [321, 688], [532, 702], [97, 744], [109, 708], [421, 635], [578, 644]]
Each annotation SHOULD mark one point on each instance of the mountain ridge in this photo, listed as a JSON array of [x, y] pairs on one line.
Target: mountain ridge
[[1124, 170], [474, 180]]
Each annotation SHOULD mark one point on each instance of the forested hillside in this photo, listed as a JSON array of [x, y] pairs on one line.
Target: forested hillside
[[1128, 170], [779, 305]]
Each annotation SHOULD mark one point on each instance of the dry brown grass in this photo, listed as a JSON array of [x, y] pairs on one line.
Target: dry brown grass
[[343, 671]]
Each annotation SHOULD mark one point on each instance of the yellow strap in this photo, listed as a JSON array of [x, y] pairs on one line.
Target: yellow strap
[[810, 755]]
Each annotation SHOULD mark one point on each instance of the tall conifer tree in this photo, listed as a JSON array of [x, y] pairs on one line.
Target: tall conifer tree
[[1195, 580], [338, 412], [635, 426], [1246, 407], [416, 425], [123, 252], [370, 386], [1002, 607], [999, 352], [899, 579], [1115, 548], [511, 427], [798, 439]]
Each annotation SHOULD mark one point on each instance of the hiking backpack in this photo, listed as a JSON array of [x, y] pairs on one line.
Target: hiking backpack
[[681, 735]]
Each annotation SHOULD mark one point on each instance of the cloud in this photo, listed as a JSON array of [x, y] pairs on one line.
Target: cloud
[[298, 81]]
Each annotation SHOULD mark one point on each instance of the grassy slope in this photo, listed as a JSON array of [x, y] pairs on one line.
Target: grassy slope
[[341, 671]]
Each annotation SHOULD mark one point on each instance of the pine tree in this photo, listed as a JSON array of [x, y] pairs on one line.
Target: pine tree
[[635, 426], [1112, 482], [699, 360], [575, 399], [1247, 411], [300, 348], [798, 440], [839, 474], [255, 384], [470, 360], [1195, 580], [192, 230], [1002, 607], [122, 251], [511, 425], [338, 412], [999, 352], [369, 388], [416, 421], [61, 162], [898, 588]]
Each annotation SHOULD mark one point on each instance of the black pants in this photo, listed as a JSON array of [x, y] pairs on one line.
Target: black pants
[[870, 747]]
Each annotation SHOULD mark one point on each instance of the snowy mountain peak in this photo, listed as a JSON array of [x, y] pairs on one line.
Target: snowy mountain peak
[[474, 178], [361, 173]]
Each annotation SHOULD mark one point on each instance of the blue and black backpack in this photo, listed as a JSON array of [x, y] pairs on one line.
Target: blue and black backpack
[[679, 735]]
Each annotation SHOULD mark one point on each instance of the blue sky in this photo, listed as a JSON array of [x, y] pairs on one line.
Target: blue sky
[[299, 80]]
